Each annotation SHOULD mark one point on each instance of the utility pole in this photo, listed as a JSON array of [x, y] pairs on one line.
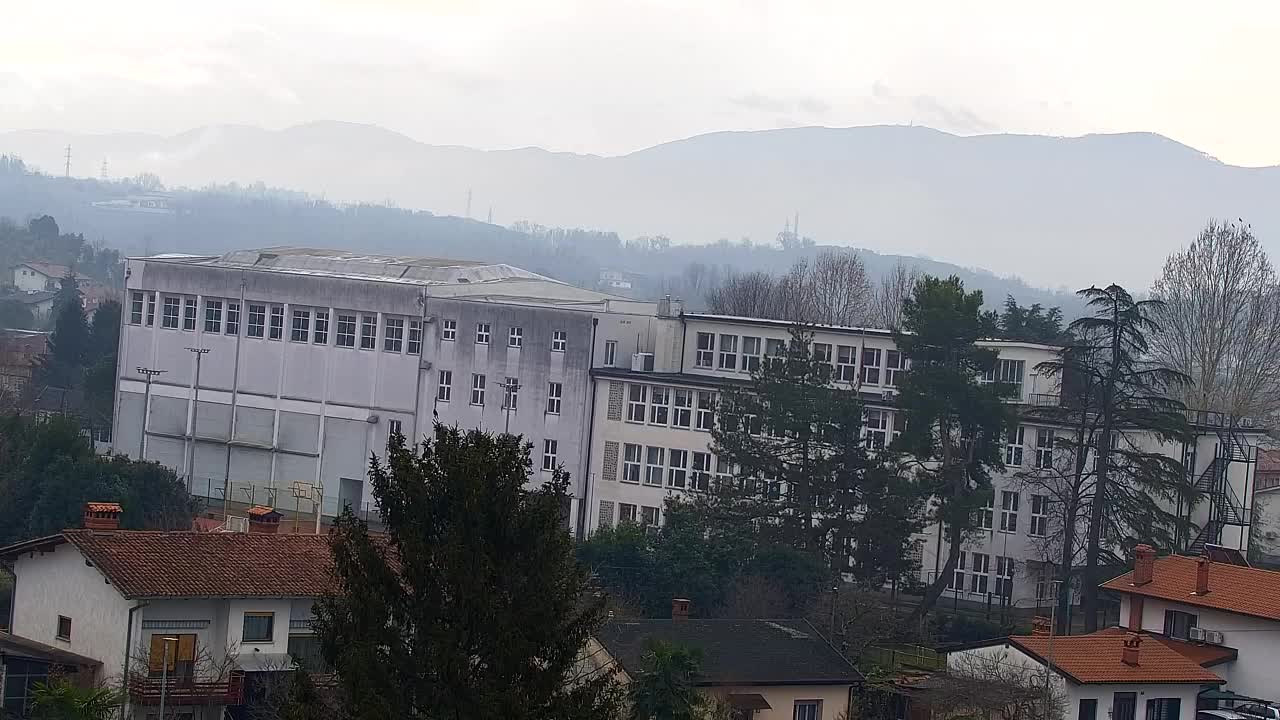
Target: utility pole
[[195, 415], [164, 669], [146, 408], [509, 401], [67, 172]]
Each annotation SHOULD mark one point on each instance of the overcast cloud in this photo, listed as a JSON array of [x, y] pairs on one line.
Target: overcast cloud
[[608, 77]]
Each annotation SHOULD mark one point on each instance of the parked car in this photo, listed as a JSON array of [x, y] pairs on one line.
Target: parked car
[[1259, 710], [1221, 715]]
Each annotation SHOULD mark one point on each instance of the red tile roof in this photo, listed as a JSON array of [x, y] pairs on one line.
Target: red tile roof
[[1202, 655], [103, 507], [1096, 659], [1232, 588], [152, 564]]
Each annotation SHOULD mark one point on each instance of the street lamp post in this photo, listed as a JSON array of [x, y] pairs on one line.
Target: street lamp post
[[164, 669], [195, 415], [149, 373]]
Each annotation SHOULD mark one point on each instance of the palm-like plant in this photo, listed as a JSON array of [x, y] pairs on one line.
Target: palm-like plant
[[665, 688], [61, 700]]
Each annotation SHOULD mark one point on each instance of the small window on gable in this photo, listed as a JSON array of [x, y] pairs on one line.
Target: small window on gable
[[64, 627]]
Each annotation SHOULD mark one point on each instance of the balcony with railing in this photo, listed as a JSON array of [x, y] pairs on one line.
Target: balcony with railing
[[188, 690]]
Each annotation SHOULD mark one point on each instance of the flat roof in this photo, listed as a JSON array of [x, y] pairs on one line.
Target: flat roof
[[848, 329]]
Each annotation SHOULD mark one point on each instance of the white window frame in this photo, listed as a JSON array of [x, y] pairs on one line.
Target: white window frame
[[752, 348], [368, 332], [870, 366], [1045, 440], [275, 324], [300, 325], [233, 318], [632, 458], [895, 362], [610, 352], [1009, 501], [444, 386], [515, 337], [958, 573], [1039, 516], [189, 306], [700, 471], [212, 315], [979, 573], [655, 465], [151, 309], [706, 412], [483, 333], [986, 516], [1006, 568], [627, 512], [559, 341], [637, 394], [660, 405], [345, 337], [555, 391], [171, 313], [414, 344], [320, 328], [392, 334], [549, 449], [511, 393], [677, 468], [875, 428], [448, 330], [681, 408], [256, 327], [1015, 446], [728, 352], [136, 305], [846, 363], [705, 356], [822, 352], [650, 516], [478, 382], [806, 710]]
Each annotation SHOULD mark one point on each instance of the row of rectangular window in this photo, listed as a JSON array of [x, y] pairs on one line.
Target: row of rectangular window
[[743, 354], [515, 335], [673, 467], [1009, 502], [975, 567], [511, 391], [647, 515]]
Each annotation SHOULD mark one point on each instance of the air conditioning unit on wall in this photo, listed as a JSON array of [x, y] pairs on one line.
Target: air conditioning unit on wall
[[1205, 635]]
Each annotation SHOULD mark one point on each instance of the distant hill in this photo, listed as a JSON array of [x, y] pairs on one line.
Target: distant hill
[[1058, 211]]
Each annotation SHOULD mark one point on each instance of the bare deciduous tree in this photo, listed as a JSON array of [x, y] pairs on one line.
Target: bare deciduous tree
[[832, 290], [894, 288], [1220, 322], [996, 686]]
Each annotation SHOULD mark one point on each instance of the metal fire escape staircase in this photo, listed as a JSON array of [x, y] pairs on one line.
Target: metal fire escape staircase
[[1213, 483]]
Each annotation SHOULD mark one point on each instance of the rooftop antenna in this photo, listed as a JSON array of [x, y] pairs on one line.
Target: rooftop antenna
[[67, 172], [104, 168], [468, 202], [795, 228], [490, 218]]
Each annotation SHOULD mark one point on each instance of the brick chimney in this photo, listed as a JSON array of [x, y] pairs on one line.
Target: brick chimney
[[1041, 625], [263, 519], [1129, 656], [1202, 576], [1144, 564], [679, 609], [102, 515]]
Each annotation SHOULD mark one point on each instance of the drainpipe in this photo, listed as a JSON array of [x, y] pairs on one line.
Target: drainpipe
[[590, 412], [422, 353], [241, 316], [128, 638]]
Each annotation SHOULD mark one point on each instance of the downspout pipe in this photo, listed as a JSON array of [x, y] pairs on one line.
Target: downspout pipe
[[583, 509]]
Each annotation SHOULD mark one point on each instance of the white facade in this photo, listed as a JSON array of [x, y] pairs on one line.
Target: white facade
[[29, 279]]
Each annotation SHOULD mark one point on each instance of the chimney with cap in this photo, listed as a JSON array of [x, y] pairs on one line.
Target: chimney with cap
[[1202, 576], [1144, 564], [263, 519], [102, 515], [679, 609], [1041, 625], [1129, 655]]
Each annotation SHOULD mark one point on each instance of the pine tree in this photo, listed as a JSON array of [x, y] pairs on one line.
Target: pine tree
[[69, 344], [471, 605]]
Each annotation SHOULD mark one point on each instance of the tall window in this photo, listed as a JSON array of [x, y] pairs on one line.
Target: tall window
[[807, 710], [415, 338], [1004, 576], [393, 334], [321, 334], [276, 330], [189, 313], [894, 364], [346, 336], [750, 354], [233, 318], [626, 513], [635, 402], [449, 330], [653, 465], [728, 352], [368, 332], [515, 337], [649, 516], [822, 352], [257, 320], [985, 516], [876, 428], [610, 352], [135, 308], [549, 448], [871, 366], [1039, 516], [212, 316], [978, 572], [724, 470], [957, 575], [300, 331], [677, 468], [706, 410], [170, 317], [631, 455], [477, 389], [1044, 448], [846, 363], [682, 408], [1013, 447], [559, 340], [444, 388], [151, 309], [660, 405], [1008, 511], [1178, 624], [701, 471], [553, 398], [705, 356], [511, 394], [482, 333], [1007, 372]]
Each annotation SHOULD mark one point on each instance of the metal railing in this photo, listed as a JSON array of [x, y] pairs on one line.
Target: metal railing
[[188, 691]]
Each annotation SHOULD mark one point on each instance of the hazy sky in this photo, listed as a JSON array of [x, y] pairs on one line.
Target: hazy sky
[[610, 76]]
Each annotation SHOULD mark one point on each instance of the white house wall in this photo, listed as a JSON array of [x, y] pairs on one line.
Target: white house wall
[[834, 699]]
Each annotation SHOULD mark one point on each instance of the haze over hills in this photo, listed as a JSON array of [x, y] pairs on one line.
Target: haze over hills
[[1060, 212]]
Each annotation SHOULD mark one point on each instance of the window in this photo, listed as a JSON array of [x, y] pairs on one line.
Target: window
[[258, 627], [151, 309], [807, 710], [170, 317], [554, 391], [635, 402], [559, 340], [368, 332], [682, 408], [701, 471], [346, 336], [610, 352], [626, 513], [549, 448], [444, 386], [415, 338], [957, 576], [395, 427], [659, 405], [1039, 516], [706, 410], [511, 394], [449, 330], [631, 463], [985, 516], [775, 348], [64, 627], [871, 366], [1044, 448], [257, 320], [300, 330], [1013, 446], [978, 570], [321, 334], [180, 652], [1004, 576], [728, 352], [515, 338], [135, 308], [189, 313], [750, 354], [233, 318], [894, 363], [1178, 624], [1088, 709], [477, 389], [875, 429], [1006, 372], [392, 334], [277, 323], [705, 356], [846, 369], [1171, 709], [1008, 511], [724, 470], [482, 333], [653, 465], [213, 316], [649, 516], [1124, 706], [678, 468], [822, 352]]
